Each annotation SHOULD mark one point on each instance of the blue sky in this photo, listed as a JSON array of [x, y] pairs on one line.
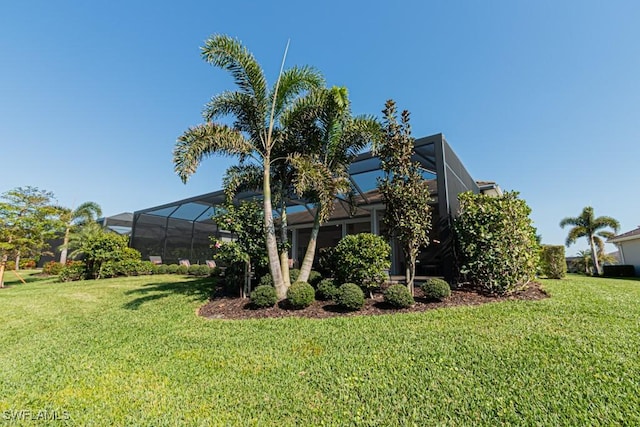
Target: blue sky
[[541, 96]]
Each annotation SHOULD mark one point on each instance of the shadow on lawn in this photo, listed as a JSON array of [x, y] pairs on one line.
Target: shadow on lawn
[[199, 289]]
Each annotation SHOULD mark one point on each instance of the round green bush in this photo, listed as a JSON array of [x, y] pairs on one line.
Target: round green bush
[[363, 259], [350, 297], [398, 296], [266, 280], [314, 278], [193, 269], [300, 295], [160, 269], [52, 268], [436, 289], [327, 290], [182, 269], [294, 273], [172, 268], [264, 296]]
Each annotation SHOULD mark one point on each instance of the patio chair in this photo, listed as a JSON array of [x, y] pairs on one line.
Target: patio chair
[[156, 259], [184, 262], [210, 263]]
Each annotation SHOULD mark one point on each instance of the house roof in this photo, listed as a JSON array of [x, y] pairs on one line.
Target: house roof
[[629, 235]]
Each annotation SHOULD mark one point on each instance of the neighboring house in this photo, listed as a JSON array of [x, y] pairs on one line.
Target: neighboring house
[[629, 247], [181, 229]]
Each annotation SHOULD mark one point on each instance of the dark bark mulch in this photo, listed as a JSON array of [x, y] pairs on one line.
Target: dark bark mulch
[[237, 308]]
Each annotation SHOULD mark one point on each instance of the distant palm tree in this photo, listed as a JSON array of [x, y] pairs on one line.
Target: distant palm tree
[[587, 225], [72, 219], [256, 131]]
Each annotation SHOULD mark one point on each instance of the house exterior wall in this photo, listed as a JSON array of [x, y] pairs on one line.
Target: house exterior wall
[[630, 250]]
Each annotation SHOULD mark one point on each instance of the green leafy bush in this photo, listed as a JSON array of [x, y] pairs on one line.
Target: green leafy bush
[[398, 296], [160, 269], [52, 268], [363, 259], [553, 262], [496, 242], [182, 269], [300, 295], [327, 290], [172, 268], [436, 289], [314, 278], [73, 271], [294, 273], [143, 268], [350, 297], [266, 280], [264, 296]]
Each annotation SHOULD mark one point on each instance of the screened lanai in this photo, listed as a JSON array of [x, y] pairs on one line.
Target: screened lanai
[[182, 229]]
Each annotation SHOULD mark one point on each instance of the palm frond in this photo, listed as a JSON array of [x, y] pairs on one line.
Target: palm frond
[[229, 54], [87, 212], [204, 140], [293, 82], [606, 221], [574, 234], [240, 178]]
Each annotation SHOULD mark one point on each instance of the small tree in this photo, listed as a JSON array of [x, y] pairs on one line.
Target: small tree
[[71, 219], [588, 226], [496, 241], [96, 247], [404, 191], [362, 259], [27, 223], [246, 222], [554, 264]]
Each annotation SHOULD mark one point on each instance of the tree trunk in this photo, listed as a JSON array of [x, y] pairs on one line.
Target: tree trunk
[[3, 263], [284, 252], [307, 262], [270, 233], [65, 243], [17, 266], [594, 257]]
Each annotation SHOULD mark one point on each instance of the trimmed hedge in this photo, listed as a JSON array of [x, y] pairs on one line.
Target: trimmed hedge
[[553, 261], [435, 288], [300, 295], [350, 297], [327, 290], [264, 296], [496, 242], [362, 259], [398, 296]]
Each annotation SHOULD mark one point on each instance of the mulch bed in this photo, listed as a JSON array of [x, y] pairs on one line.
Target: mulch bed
[[236, 308]]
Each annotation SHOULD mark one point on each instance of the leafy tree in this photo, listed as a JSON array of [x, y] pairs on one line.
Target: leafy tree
[[71, 219], [332, 139], [246, 222], [97, 247], [256, 131], [27, 223], [404, 190], [588, 226]]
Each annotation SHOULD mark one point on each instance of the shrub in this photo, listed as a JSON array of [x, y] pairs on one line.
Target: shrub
[[436, 289], [398, 296], [363, 259], [300, 295], [264, 296], [182, 269], [73, 271], [52, 268], [172, 268], [160, 269], [143, 268], [554, 264], [294, 273], [496, 241], [193, 269], [314, 278], [266, 280], [350, 297], [327, 290]]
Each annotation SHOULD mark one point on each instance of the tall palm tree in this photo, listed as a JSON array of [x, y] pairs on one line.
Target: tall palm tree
[[331, 140], [587, 225], [256, 130], [72, 218]]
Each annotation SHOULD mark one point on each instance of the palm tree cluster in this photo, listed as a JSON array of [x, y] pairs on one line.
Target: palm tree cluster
[[592, 228], [294, 139]]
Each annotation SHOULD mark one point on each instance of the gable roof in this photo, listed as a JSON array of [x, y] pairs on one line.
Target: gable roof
[[629, 235]]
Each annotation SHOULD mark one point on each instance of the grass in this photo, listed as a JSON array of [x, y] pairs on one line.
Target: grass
[[132, 352]]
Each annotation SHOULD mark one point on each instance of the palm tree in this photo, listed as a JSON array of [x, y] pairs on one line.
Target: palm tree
[[72, 218], [332, 139], [256, 130], [586, 225]]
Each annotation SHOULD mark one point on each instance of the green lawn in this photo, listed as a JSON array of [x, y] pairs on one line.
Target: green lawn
[[133, 352]]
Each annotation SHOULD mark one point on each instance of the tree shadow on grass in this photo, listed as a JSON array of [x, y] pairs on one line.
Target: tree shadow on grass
[[198, 289]]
